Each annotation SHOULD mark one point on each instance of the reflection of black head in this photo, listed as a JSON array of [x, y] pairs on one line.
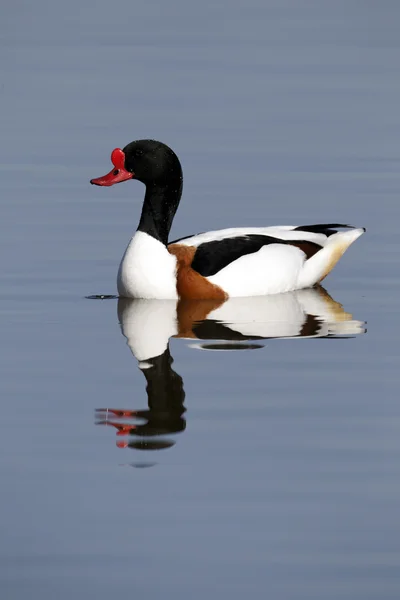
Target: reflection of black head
[[165, 398]]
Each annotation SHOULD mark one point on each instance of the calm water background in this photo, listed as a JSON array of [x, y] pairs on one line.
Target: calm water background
[[285, 482]]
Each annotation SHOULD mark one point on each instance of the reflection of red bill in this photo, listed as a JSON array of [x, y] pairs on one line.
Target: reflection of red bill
[[118, 174], [118, 412], [122, 429], [121, 444]]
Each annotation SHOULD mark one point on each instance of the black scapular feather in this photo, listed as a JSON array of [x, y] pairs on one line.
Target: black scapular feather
[[324, 228]]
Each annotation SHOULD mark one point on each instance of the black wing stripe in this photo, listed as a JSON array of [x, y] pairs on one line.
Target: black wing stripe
[[213, 256], [186, 237], [324, 228]]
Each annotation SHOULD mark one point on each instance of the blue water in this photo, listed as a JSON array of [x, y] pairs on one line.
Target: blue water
[[265, 458]]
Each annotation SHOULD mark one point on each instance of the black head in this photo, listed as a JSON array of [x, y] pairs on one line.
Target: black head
[[151, 162]]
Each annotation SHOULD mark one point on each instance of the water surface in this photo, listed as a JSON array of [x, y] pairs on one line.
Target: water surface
[[260, 454]]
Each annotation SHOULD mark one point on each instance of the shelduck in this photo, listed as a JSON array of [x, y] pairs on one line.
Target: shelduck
[[236, 262]]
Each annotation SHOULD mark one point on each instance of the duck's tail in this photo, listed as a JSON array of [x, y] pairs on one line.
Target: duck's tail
[[317, 267]]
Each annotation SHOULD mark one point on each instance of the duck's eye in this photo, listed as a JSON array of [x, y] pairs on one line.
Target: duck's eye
[[116, 172]]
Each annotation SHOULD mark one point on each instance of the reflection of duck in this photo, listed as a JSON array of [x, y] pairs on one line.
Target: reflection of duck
[[304, 313], [149, 324], [237, 262]]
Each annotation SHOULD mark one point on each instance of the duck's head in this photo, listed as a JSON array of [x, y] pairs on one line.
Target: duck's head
[[151, 162], [157, 166]]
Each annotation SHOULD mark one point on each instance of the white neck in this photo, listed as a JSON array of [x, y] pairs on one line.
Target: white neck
[[147, 270]]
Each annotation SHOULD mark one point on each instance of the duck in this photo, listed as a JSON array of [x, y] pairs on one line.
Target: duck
[[215, 265]]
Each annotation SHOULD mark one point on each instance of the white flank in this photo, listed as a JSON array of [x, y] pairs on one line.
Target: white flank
[[147, 326], [147, 270], [272, 270]]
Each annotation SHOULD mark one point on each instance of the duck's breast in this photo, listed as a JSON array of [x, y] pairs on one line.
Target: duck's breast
[[147, 270]]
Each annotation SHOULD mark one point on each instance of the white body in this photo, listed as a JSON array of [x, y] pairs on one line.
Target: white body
[[148, 270]]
